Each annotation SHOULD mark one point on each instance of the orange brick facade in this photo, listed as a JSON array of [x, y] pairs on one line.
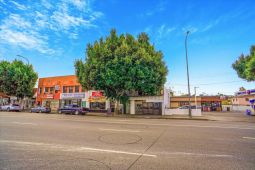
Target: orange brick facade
[[50, 88]]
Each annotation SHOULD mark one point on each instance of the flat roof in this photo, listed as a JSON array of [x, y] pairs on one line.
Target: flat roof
[[57, 76]]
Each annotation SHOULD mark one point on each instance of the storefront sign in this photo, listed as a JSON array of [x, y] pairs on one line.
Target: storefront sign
[[247, 92], [97, 94], [72, 95], [48, 96]]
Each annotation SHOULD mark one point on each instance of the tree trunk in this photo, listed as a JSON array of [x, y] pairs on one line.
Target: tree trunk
[[125, 107], [117, 105]]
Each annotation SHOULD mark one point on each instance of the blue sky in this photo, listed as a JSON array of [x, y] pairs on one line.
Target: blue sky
[[52, 34]]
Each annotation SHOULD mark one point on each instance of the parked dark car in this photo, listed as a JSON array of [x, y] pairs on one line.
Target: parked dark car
[[40, 109], [73, 109]]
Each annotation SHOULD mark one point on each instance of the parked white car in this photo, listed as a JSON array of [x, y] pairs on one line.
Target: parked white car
[[11, 107]]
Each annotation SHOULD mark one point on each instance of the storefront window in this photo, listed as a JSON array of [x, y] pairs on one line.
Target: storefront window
[[97, 105], [77, 89], [65, 102]]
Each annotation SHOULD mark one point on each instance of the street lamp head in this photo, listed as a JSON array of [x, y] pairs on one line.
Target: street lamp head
[[187, 32]]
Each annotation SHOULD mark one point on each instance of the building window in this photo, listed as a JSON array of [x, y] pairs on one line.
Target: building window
[[46, 90], [51, 89], [70, 89], [40, 90], [77, 89], [64, 89]]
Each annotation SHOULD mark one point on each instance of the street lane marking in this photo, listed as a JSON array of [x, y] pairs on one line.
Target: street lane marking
[[75, 148], [199, 154], [248, 138], [69, 148], [21, 123], [117, 130]]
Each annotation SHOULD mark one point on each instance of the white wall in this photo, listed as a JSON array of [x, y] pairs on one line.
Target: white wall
[[194, 112], [236, 108]]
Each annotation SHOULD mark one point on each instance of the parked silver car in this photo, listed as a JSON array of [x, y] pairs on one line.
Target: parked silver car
[[11, 107]]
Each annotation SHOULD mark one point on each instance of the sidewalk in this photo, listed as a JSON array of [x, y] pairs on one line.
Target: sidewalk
[[206, 116], [178, 117]]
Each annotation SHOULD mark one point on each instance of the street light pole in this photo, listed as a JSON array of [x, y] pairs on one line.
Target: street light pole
[[24, 58], [187, 66], [195, 89]]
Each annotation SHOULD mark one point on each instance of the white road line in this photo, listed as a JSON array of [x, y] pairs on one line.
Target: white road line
[[199, 154], [248, 138], [22, 123], [118, 130], [74, 148]]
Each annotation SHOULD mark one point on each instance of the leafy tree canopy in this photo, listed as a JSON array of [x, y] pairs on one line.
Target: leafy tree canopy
[[17, 79], [245, 65], [122, 64]]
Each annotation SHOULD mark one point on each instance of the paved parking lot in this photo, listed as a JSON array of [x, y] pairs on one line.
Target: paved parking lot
[[53, 141]]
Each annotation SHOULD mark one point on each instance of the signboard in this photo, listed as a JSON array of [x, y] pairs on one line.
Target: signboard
[[97, 96], [247, 92], [72, 95], [48, 96]]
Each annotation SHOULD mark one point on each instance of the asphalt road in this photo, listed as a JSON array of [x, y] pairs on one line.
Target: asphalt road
[[52, 141]]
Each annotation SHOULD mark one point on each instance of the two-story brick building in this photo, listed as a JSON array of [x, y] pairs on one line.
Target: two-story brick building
[[58, 91]]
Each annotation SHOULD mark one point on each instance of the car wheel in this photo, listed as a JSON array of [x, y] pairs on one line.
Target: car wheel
[[76, 112], [40, 111], [8, 109]]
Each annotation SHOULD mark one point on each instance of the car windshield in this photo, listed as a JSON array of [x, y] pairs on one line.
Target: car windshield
[[15, 105]]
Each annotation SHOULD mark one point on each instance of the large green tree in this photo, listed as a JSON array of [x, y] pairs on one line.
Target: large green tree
[[122, 64], [245, 65], [17, 79]]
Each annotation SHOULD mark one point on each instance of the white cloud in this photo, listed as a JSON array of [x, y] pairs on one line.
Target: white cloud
[[163, 30], [190, 28], [25, 40], [159, 33], [66, 21], [19, 32], [160, 7], [46, 4], [19, 6], [15, 20], [80, 4], [63, 19]]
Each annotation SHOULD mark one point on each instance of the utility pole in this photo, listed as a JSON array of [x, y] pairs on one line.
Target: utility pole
[[24, 58], [195, 89], [187, 66]]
